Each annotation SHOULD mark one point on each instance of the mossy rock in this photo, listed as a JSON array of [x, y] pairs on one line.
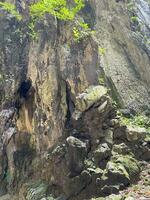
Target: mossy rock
[[117, 173], [130, 164], [121, 149], [91, 96]]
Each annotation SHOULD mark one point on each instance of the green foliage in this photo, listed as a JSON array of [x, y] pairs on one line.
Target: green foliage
[[57, 8], [102, 51], [60, 9], [81, 30], [11, 9], [138, 120], [101, 79], [134, 19], [32, 33], [76, 34]]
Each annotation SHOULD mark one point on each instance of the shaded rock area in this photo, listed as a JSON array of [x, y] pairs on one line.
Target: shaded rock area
[[60, 135], [85, 165]]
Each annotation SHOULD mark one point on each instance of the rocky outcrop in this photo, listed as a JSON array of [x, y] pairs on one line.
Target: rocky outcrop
[[88, 164], [60, 134]]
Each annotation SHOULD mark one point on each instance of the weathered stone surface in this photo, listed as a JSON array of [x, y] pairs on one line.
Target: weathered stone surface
[[108, 137], [102, 154], [50, 88], [77, 184], [77, 151], [121, 149], [125, 58], [131, 166], [90, 97], [117, 173], [135, 134]]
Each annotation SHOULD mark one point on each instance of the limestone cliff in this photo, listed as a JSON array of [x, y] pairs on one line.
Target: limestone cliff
[[60, 135]]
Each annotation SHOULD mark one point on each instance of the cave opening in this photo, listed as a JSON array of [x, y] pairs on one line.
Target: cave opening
[[24, 88]]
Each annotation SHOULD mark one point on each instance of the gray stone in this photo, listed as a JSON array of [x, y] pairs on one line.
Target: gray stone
[[102, 153], [77, 151], [91, 96], [117, 173], [76, 184], [108, 137], [121, 148], [135, 133]]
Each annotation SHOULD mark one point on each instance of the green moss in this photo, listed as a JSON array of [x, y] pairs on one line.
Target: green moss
[[130, 164], [118, 168]]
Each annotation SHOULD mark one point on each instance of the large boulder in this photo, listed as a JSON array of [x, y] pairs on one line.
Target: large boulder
[[76, 154], [75, 185], [91, 96], [102, 154], [130, 164], [135, 133], [122, 170], [117, 174]]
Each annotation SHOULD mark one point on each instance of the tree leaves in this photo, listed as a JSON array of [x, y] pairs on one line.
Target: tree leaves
[[11, 9]]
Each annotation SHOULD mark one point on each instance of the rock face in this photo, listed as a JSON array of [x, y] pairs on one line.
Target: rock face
[[121, 29], [60, 137], [135, 134]]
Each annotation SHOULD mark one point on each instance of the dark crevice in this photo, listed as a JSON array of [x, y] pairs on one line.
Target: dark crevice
[[24, 88], [70, 106]]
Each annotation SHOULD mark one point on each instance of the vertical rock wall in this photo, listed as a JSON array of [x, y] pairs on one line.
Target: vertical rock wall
[[39, 83]]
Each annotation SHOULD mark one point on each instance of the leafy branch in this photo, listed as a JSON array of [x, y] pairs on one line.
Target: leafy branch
[[61, 9]]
